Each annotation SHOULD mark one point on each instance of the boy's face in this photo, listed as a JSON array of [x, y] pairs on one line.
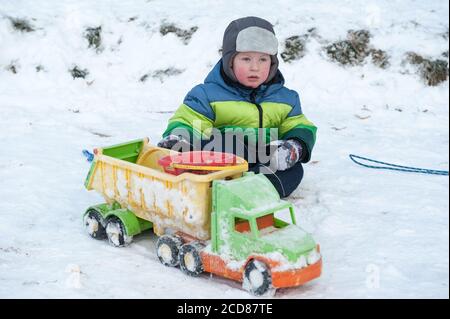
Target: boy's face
[[251, 68]]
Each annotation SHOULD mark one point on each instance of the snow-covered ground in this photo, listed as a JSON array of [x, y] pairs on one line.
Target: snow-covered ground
[[383, 234]]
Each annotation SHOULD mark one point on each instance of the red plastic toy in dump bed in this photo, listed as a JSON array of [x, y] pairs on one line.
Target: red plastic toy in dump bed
[[197, 162]]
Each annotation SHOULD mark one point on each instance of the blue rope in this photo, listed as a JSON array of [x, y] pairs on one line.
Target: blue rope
[[396, 167], [89, 155]]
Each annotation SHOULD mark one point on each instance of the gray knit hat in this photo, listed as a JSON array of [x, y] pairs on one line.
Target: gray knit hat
[[249, 34]]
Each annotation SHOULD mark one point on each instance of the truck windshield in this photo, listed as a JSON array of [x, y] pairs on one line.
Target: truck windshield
[[243, 225], [271, 222], [266, 223]]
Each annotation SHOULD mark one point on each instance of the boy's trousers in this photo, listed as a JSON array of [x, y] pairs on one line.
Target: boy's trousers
[[286, 181]]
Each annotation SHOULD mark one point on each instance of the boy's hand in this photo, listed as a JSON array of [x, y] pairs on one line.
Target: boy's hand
[[287, 154], [172, 140]]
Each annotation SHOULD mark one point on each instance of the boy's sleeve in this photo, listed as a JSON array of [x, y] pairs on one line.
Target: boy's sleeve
[[297, 126], [194, 117]]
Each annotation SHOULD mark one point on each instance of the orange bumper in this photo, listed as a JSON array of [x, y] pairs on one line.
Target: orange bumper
[[296, 277], [280, 279]]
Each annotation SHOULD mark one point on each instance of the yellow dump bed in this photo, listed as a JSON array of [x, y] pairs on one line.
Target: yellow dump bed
[[178, 203]]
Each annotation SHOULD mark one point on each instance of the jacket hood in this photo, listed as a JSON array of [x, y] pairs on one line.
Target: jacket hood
[[249, 34]]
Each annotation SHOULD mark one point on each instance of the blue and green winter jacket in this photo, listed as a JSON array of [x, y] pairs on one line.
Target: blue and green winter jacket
[[225, 105]]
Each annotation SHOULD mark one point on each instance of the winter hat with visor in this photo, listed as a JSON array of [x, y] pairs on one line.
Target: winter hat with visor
[[249, 34]]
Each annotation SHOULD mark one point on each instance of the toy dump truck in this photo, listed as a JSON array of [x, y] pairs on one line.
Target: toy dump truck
[[223, 222]]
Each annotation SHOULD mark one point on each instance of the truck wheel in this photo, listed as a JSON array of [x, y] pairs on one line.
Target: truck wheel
[[190, 260], [257, 278], [167, 250], [93, 223], [115, 230]]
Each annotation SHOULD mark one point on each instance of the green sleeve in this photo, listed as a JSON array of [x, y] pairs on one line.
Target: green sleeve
[[300, 128], [186, 121]]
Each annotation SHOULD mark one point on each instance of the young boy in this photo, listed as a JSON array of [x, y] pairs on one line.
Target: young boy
[[244, 97]]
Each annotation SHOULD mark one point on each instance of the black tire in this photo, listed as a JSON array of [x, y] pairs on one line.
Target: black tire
[[167, 250], [257, 278], [190, 261], [115, 231], [93, 222]]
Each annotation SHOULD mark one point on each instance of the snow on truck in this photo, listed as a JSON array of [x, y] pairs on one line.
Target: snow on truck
[[209, 215]]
